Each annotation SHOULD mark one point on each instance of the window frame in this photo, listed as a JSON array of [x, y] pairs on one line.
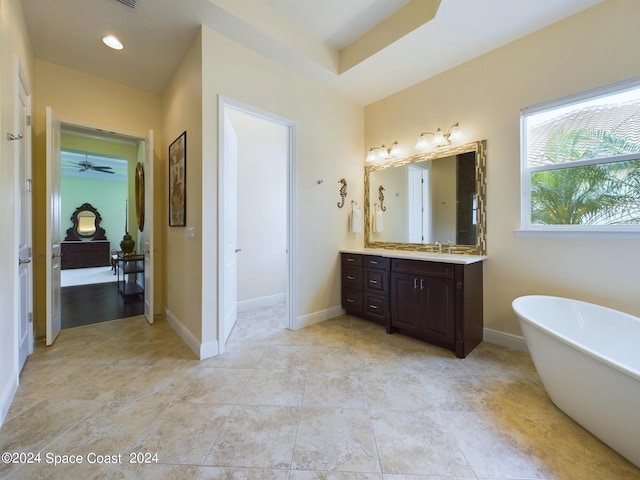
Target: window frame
[[526, 172]]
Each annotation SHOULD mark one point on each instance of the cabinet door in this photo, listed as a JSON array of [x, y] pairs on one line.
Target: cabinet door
[[437, 308], [405, 315]]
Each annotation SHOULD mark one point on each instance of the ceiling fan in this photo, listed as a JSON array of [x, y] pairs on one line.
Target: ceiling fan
[[85, 165]]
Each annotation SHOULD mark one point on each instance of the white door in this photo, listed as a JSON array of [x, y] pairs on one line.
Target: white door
[[53, 313], [419, 205], [23, 217], [229, 286], [147, 234], [427, 207], [414, 203]]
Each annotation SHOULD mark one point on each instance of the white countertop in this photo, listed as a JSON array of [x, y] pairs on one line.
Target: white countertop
[[426, 256]]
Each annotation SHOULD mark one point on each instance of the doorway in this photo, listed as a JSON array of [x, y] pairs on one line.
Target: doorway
[[95, 175], [88, 158], [256, 218]]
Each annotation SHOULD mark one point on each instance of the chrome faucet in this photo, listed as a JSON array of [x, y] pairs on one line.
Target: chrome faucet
[[439, 245], [450, 243]]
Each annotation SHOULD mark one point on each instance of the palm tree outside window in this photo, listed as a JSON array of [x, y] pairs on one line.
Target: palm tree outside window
[[581, 161]]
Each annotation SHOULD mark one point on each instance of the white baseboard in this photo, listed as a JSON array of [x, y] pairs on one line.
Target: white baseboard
[[317, 317], [267, 301], [208, 350], [505, 339], [8, 392], [202, 350]]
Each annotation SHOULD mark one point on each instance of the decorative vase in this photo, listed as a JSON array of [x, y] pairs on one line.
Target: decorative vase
[[127, 244]]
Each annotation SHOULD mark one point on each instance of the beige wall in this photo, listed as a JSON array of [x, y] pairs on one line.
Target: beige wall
[[14, 43], [77, 97], [182, 110], [594, 48], [329, 132]]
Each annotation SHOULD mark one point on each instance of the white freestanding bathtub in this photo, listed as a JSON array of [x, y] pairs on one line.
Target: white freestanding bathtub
[[588, 358]]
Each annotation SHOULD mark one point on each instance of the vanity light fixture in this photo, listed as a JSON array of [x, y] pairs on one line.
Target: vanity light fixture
[[439, 139], [112, 42], [377, 154]]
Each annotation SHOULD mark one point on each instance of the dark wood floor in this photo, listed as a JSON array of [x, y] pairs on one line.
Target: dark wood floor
[[99, 302]]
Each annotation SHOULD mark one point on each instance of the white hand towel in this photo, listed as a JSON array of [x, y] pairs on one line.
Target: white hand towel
[[356, 220], [378, 221]]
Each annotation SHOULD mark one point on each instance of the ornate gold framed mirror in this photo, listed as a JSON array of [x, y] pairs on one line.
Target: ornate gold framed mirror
[[440, 196], [139, 192], [85, 224]]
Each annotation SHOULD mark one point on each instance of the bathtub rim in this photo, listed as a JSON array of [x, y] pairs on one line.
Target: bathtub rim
[[581, 348]]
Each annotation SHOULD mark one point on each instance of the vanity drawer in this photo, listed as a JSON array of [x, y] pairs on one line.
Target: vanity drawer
[[351, 259], [352, 301], [352, 277], [376, 261], [376, 281], [376, 308], [425, 268]]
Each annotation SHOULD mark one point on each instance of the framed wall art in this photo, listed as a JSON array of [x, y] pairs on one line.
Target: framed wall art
[[177, 181]]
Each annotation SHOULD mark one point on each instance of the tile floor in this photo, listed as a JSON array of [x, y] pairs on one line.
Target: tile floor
[[340, 400]]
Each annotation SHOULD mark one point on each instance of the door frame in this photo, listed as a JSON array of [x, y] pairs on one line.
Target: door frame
[[105, 131], [227, 102]]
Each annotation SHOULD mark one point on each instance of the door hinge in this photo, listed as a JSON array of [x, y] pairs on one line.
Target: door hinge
[[28, 120], [29, 185], [30, 318], [29, 251], [459, 285]]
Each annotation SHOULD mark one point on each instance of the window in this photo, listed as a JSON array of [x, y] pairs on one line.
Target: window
[[581, 161]]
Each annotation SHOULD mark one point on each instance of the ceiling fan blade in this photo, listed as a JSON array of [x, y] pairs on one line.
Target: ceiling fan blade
[[83, 166], [103, 169]]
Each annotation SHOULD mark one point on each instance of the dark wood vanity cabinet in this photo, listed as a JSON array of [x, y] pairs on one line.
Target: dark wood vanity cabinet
[[423, 307], [438, 302], [365, 287], [352, 284]]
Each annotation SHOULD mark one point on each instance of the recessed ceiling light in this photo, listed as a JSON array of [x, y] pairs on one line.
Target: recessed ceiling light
[[113, 42]]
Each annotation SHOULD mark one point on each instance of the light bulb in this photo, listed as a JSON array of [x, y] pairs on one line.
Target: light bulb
[[395, 149], [438, 137], [455, 132], [113, 42]]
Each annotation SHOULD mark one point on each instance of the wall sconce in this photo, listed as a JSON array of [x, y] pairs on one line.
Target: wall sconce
[[377, 154], [439, 139]]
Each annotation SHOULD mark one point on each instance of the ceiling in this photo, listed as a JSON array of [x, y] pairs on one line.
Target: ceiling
[[307, 36]]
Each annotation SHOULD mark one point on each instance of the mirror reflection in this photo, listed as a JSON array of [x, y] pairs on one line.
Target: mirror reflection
[[86, 223], [415, 202]]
